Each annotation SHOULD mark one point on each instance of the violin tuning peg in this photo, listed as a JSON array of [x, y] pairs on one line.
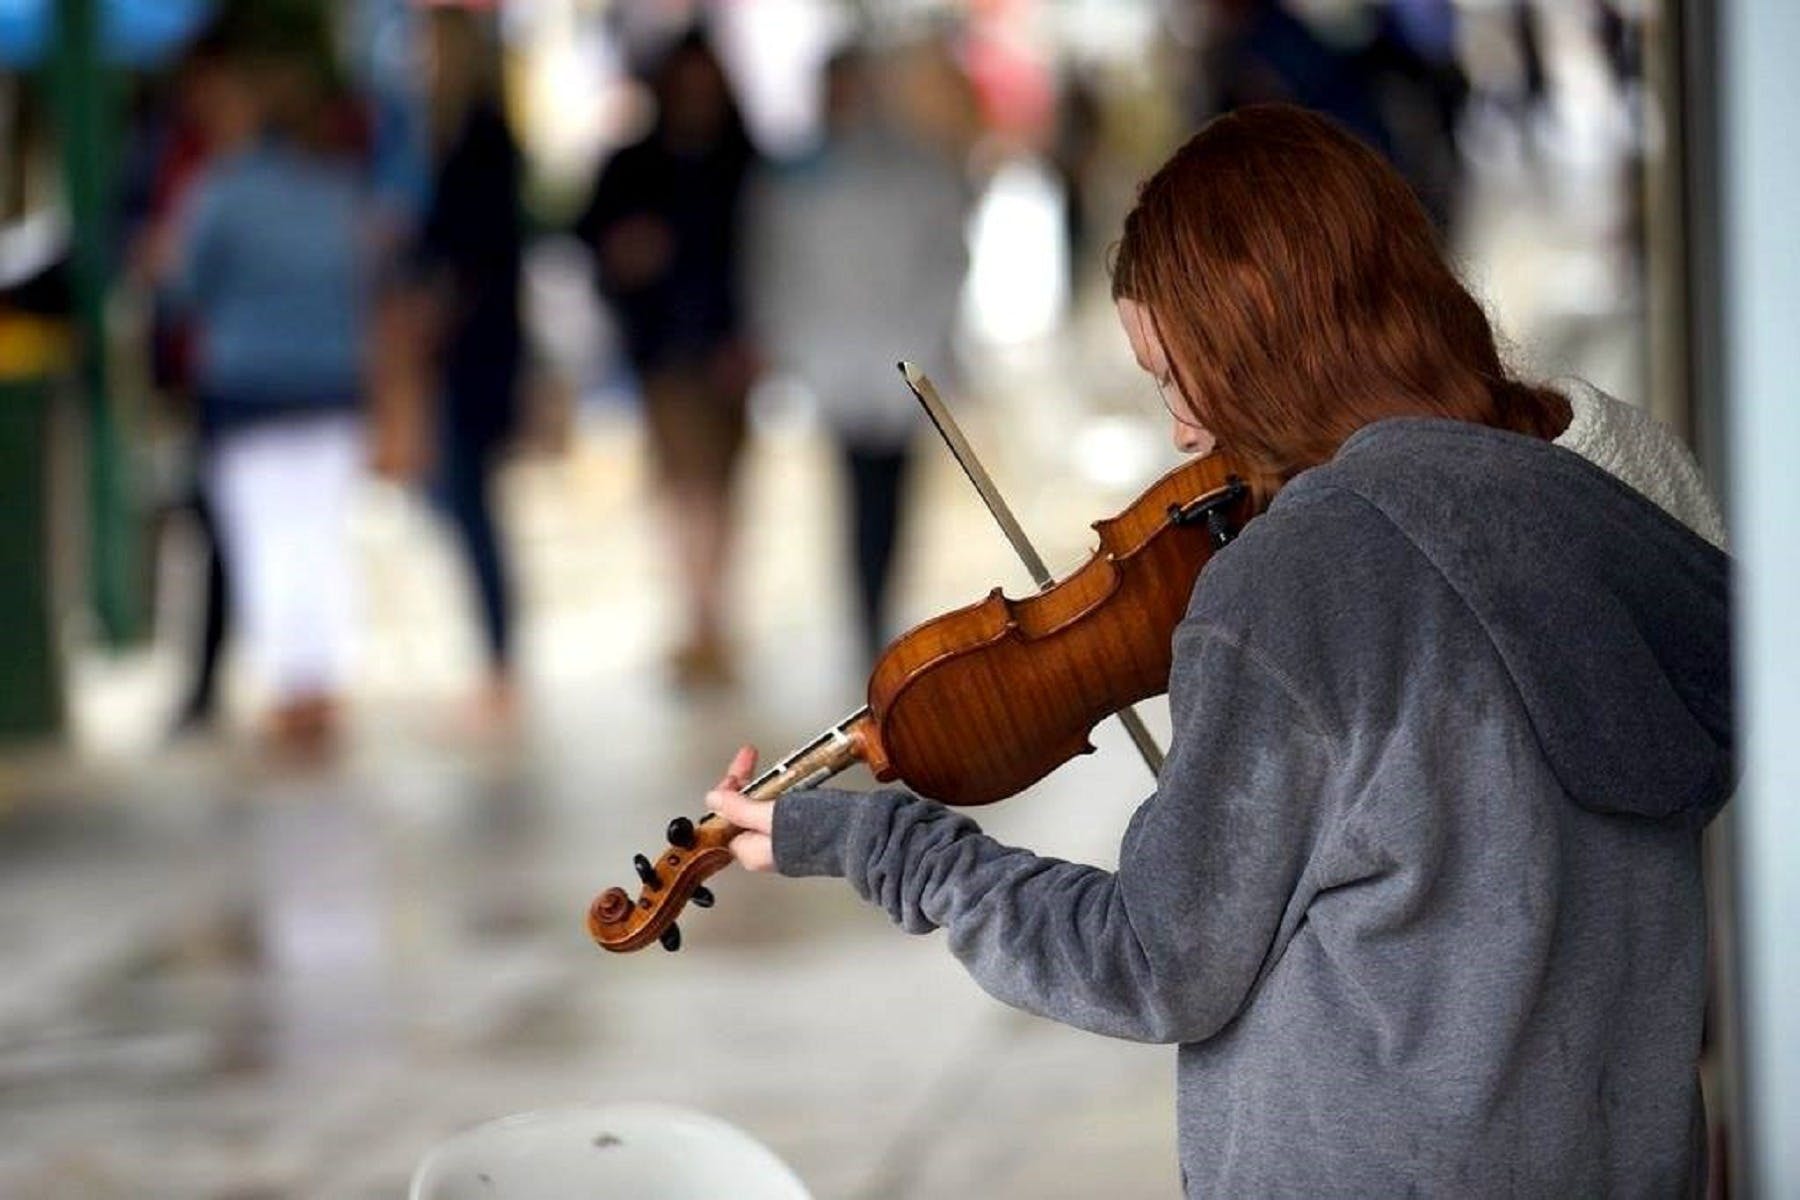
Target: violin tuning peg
[[681, 833], [703, 897], [645, 871], [671, 938]]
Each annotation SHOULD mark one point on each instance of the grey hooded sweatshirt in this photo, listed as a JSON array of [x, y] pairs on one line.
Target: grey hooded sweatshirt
[[1418, 893]]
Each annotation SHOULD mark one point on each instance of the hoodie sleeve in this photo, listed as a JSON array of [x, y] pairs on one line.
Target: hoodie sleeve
[[1168, 948]]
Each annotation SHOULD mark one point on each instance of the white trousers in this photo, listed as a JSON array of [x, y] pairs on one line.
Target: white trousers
[[283, 494]]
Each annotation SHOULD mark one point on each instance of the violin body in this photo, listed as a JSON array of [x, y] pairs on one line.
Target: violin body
[[981, 702]]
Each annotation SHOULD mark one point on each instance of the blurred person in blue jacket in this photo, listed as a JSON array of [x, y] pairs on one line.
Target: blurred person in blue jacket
[[274, 266], [858, 260]]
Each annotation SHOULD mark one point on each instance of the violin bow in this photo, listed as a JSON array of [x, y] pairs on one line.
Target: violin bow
[[965, 457]]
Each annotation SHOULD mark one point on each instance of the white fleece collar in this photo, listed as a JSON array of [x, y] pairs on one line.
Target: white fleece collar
[[1641, 453]]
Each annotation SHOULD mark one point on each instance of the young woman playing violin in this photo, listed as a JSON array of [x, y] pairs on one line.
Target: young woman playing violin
[[1418, 894]]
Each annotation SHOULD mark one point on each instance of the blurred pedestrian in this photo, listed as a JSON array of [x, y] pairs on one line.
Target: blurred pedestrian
[[1260, 51], [859, 261], [1412, 59], [1386, 71], [202, 121], [471, 247], [1077, 157], [663, 227], [273, 267]]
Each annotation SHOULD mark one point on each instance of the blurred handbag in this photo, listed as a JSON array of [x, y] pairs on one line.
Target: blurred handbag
[[546, 420], [402, 380]]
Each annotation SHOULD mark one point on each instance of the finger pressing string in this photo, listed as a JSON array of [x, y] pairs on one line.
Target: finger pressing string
[[753, 815], [742, 763]]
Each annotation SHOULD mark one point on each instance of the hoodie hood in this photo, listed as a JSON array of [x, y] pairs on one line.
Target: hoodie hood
[[1611, 617], [1639, 450]]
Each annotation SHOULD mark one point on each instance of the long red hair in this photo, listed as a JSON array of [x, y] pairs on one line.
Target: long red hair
[[1299, 291]]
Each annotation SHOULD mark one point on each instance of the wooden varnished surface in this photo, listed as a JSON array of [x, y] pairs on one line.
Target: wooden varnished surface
[[979, 703]]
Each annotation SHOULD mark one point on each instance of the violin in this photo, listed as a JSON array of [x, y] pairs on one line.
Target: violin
[[977, 704]]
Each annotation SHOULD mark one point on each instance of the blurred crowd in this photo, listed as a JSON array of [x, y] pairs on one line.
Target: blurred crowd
[[312, 318], [305, 324]]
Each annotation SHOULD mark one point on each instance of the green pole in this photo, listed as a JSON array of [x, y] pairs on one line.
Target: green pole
[[85, 102], [31, 698]]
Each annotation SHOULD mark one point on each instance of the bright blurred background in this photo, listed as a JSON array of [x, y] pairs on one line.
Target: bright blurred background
[[433, 436]]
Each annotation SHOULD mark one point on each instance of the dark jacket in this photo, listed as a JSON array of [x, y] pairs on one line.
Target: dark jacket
[[692, 307], [473, 240]]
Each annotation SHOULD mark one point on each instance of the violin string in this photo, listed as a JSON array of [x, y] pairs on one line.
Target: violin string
[[836, 732]]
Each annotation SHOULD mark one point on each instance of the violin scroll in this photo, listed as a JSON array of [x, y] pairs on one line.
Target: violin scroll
[[619, 923], [698, 849]]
